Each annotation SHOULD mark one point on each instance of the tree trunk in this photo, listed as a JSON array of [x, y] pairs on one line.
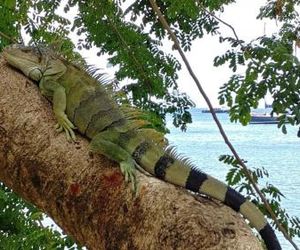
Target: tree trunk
[[86, 195]]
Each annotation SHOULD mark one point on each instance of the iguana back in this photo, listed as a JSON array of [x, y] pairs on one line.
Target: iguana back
[[89, 106]]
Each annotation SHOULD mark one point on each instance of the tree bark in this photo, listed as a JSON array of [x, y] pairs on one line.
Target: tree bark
[[86, 195]]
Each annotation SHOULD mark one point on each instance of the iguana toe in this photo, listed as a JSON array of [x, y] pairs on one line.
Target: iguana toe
[[129, 172], [64, 124]]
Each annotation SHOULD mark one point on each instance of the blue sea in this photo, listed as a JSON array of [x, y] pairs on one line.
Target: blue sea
[[262, 145]]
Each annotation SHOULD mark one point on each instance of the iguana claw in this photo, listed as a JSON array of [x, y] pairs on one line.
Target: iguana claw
[[64, 124], [129, 172]]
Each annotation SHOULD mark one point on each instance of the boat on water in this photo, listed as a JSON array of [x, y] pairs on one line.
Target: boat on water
[[268, 106], [217, 110], [266, 118]]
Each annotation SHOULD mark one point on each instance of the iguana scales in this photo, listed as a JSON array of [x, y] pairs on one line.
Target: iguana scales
[[79, 100]]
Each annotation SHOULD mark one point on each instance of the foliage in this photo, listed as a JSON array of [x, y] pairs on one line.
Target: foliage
[[189, 20], [8, 24], [268, 65], [20, 226], [237, 178]]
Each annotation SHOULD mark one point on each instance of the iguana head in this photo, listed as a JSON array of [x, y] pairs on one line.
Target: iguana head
[[27, 59]]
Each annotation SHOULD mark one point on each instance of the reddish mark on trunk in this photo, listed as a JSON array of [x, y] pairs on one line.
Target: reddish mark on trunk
[[113, 178], [74, 189], [143, 190]]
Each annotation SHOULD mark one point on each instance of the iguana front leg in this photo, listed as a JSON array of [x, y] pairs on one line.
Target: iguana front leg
[[57, 92]]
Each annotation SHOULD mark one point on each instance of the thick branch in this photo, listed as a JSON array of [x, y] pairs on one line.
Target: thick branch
[[85, 194]]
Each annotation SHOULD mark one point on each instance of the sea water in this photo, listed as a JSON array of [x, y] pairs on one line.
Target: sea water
[[261, 145]]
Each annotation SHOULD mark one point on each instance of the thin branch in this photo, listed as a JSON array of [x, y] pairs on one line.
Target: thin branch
[[222, 21], [244, 48], [226, 140], [11, 39]]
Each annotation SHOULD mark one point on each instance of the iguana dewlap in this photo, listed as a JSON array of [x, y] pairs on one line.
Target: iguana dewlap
[[80, 101]]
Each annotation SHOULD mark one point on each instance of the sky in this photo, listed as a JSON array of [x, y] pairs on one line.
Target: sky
[[242, 16]]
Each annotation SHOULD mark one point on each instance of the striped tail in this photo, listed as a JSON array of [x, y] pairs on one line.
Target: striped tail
[[166, 165]]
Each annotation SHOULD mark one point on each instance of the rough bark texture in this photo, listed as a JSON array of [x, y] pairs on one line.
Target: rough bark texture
[[85, 194]]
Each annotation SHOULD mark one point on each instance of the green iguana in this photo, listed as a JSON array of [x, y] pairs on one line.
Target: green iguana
[[79, 100]]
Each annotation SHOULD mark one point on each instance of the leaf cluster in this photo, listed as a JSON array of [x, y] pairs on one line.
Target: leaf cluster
[[9, 24], [266, 65], [21, 226], [280, 10], [187, 19]]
